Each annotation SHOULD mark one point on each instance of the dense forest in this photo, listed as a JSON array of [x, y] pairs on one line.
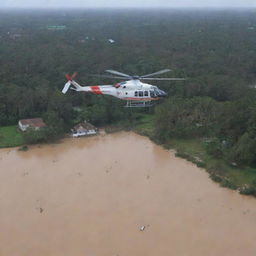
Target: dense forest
[[214, 50]]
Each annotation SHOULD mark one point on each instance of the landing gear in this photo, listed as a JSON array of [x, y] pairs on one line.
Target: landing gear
[[138, 104]]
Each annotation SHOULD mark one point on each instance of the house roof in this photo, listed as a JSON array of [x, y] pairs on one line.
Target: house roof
[[85, 126], [34, 122]]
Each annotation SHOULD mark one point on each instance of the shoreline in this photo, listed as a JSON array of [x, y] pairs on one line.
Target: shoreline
[[214, 175], [217, 173]]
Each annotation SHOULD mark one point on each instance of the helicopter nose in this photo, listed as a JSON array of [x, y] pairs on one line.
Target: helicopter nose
[[162, 93]]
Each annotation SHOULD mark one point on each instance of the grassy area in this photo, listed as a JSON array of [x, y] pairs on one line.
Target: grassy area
[[141, 123], [10, 136], [145, 125], [194, 150]]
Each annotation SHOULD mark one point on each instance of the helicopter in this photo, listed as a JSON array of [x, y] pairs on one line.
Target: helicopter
[[135, 92]]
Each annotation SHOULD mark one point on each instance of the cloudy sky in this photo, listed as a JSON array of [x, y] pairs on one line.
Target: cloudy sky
[[127, 3]]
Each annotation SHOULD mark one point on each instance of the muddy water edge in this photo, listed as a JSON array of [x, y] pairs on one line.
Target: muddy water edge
[[117, 194]]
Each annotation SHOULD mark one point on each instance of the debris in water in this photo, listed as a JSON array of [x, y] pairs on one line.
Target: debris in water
[[39, 208], [142, 228]]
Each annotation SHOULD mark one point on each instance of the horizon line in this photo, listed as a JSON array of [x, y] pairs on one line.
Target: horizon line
[[129, 7]]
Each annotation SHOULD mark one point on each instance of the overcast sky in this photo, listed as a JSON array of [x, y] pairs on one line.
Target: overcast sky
[[127, 3]]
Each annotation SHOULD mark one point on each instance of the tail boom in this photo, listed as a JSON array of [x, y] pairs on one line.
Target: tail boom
[[95, 89]]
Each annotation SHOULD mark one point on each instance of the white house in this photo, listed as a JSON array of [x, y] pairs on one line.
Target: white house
[[34, 123], [83, 129]]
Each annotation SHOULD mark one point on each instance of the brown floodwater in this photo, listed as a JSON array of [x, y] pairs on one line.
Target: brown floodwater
[[117, 195]]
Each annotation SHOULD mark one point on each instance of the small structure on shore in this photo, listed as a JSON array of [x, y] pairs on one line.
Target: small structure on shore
[[111, 41], [34, 123], [84, 129]]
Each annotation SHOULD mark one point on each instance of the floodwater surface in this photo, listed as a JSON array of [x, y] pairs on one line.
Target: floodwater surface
[[117, 195]]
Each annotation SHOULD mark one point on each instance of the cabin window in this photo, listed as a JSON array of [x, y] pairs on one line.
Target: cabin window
[[141, 93], [152, 94], [145, 93], [136, 94]]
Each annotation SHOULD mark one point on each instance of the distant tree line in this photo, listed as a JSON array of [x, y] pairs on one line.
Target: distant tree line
[[215, 50]]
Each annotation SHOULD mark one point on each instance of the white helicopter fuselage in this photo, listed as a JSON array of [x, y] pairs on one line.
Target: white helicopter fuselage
[[131, 90]]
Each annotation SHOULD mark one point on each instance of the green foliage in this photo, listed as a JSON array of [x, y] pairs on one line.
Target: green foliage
[[244, 151], [215, 177], [201, 164], [217, 101], [182, 117], [32, 137], [52, 119], [224, 181], [10, 136], [228, 183], [214, 147], [55, 127], [44, 135], [247, 190]]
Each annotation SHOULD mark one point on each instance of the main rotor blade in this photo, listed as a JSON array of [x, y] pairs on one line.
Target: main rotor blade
[[164, 79], [115, 77], [117, 73], [156, 73]]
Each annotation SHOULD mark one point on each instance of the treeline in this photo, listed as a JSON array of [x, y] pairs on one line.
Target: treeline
[[215, 50], [228, 128]]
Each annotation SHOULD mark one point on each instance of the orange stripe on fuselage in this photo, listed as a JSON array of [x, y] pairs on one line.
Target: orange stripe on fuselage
[[96, 89]]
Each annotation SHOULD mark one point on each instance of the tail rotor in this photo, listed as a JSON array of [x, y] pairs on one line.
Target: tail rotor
[[69, 82]]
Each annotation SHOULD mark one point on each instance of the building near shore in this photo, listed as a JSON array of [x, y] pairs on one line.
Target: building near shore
[[111, 41], [34, 123], [84, 129]]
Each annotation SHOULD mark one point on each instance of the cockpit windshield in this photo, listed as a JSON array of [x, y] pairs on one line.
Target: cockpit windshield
[[156, 92]]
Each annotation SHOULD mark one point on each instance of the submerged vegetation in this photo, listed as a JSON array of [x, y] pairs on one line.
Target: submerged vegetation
[[210, 119]]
